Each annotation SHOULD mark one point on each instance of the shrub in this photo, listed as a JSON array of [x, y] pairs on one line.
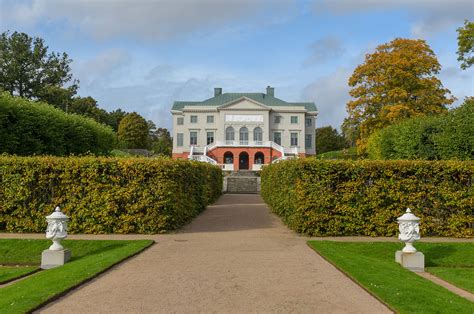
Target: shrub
[[457, 138], [447, 136], [333, 198], [28, 128], [104, 195]]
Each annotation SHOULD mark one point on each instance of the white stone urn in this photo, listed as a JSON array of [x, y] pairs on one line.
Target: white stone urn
[[408, 225], [57, 229]]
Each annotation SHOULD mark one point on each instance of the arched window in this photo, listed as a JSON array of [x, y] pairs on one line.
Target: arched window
[[257, 135], [229, 135], [228, 158], [244, 136], [259, 158]]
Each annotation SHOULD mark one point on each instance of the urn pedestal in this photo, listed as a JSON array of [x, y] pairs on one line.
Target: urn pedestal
[[51, 259], [56, 255], [409, 257], [411, 261]]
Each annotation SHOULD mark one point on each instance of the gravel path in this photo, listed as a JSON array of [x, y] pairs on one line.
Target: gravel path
[[235, 257]]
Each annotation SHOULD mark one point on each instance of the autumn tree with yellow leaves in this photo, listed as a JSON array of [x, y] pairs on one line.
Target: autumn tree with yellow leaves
[[395, 82]]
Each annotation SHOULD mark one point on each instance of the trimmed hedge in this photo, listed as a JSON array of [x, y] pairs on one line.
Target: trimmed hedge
[[446, 136], [28, 128], [104, 195], [335, 198]]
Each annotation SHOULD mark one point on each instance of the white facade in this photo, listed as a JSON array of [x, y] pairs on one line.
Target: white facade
[[203, 124]]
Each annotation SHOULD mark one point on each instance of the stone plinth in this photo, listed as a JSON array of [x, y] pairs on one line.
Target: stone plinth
[[51, 259], [411, 261]]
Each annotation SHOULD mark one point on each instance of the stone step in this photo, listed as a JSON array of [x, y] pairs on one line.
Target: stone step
[[244, 173], [244, 185]]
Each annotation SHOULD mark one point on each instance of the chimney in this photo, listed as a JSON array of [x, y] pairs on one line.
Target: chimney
[[217, 91], [270, 91]]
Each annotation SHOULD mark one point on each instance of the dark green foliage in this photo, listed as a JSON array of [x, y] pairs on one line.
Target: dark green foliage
[[447, 136], [133, 131], [161, 142], [27, 69], [87, 106], [328, 139], [104, 195], [333, 198], [456, 140], [29, 128]]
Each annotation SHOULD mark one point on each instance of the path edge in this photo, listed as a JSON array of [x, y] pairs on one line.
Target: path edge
[[351, 278], [65, 292]]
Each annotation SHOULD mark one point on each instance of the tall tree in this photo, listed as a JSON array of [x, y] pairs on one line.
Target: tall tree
[[133, 131], [350, 131], [395, 82], [87, 106], [58, 97], [466, 44], [27, 69], [115, 117], [162, 143], [328, 139]]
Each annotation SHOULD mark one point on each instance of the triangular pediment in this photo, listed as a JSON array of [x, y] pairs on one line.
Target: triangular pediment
[[244, 103]]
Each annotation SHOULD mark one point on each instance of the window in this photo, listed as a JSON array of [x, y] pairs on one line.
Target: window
[[294, 119], [180, 121], [194, 119], [308, 141], [228, 158], [210, 138], [294, 139], [277, 137], [193, 138], [229, 135], [244, 136], [259, 158], [309, 122], [257, 135], [210, 119], [179, 139], [277, 119]]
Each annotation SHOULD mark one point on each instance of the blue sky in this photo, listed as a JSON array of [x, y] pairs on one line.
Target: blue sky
[[141, 55]]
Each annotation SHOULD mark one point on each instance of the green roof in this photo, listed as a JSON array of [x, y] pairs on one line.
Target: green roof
[[225, 98]]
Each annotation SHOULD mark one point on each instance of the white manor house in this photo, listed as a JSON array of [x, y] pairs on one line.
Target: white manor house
[[243, 130]]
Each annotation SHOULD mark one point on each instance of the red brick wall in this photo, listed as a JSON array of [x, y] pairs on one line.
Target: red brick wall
[[218, 154], [269, 154], [180, 155]]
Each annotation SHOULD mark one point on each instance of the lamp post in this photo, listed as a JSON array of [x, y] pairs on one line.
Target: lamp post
[[56, 231], [409, 257]]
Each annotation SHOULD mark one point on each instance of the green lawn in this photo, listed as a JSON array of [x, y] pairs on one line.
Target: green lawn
[[88, 259], [453, 262], [348, 153], [373, 266], [8, 273]]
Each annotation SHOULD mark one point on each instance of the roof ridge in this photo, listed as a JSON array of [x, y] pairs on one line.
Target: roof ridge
[[265, 99]]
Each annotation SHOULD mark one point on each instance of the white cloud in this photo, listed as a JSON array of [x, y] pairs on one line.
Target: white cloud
[[103, 68], [430, 16], [330, 93], [151, 93], [458, 81], [143, 19]]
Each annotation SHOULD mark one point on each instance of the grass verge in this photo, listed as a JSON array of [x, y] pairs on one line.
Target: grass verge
[[373, 266], [89, 258], [347, 153], [9, 273]]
